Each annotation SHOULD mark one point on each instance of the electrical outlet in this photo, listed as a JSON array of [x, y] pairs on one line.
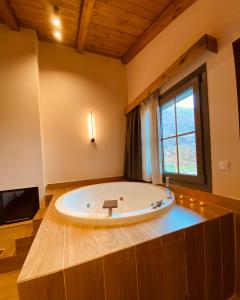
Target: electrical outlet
[[224, 166]]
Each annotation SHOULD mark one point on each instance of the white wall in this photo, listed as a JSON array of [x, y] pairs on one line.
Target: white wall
[[71, 85], [222, 20], [20, 144]]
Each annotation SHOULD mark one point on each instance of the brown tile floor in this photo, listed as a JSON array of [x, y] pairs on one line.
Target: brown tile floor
[[8, 286]]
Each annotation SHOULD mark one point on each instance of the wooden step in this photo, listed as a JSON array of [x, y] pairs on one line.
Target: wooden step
[[9, 233], [8, 286], [23, 245], [12, 263], [16, 240], [48, 199], [1, 251], [37, 220]]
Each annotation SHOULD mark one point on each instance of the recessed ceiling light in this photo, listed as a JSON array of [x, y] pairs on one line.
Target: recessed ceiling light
[[58, 35]]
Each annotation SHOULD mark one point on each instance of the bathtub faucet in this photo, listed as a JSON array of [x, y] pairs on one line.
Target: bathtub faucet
[[168, 189], [110, 204]]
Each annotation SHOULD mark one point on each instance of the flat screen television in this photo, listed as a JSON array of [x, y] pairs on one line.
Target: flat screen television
[[18, 205]]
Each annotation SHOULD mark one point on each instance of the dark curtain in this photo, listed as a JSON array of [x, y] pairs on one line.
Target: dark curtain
[[133, 147], [236, 50]]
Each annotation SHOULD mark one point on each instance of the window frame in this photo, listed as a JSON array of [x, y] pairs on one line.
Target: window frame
[[198, 81]]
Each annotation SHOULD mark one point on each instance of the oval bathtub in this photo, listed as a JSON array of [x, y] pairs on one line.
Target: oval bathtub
[[136, 202]]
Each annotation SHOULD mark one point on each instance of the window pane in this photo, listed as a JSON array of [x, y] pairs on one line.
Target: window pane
[[187, 154], [168, 119], [185, 112], [170, 155]]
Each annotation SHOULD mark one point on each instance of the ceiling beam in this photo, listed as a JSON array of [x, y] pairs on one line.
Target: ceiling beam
[[7, 15], [206, 42], [171, 12], [85, 17]]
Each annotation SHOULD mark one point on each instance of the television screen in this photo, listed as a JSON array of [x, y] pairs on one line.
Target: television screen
[[18, 205]]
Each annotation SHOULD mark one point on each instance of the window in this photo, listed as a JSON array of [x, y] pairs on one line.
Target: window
[[183, 119]]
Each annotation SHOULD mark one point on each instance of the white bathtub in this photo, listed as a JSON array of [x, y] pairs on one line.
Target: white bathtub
[[136, 203]]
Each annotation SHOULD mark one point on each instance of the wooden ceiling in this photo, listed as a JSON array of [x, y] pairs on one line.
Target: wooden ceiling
[[115, 28]]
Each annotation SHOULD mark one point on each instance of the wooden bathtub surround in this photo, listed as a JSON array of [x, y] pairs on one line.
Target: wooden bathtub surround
[[228, 203], [205, 43], [148, 260]]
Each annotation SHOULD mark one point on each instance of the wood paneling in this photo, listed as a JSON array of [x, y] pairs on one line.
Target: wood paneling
[[37, 15], [228, 255], [47, 287], [172, 11], [111, 239], [139, 233], [150, 270], [195, 261], [174, 271], [115, 28], [120, 275], [213, 263], [174, 236], [85, 281], [206, 42], [7, 15], [79, 250]]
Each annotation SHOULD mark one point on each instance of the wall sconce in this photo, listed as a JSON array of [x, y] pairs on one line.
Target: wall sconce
[[91, 127], [56, 21]]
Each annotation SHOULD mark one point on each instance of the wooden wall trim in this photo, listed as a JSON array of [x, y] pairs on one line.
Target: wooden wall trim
[[225, 202], [8, 16], [79, 183], [206, 42], [85, 17], [173, 10]]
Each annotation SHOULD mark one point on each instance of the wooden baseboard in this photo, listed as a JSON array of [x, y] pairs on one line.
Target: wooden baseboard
[[80, 183]]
